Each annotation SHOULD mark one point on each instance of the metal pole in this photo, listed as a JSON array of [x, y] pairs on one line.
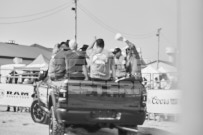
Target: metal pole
[[158, 34], [76, 21]]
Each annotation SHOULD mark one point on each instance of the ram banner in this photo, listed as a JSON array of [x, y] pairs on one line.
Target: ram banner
[[164, 101], [16, 95]]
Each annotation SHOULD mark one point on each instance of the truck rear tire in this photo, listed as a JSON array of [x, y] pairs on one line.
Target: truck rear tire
[[54, 127]]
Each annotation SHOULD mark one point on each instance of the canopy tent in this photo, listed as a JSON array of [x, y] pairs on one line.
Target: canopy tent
[[167, 69], [150, 73], [150, 69], [40, 62], [164, 67], [162, 70], [6, 69]]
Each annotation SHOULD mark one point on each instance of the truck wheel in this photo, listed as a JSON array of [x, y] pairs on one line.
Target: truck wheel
[[37, 114], [124, 132], [54, 127]]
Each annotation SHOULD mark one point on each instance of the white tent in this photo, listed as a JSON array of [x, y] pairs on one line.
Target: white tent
[[150, 69], [40, 62], [162, 70], [6, 69], [150, 73], [167, 69]]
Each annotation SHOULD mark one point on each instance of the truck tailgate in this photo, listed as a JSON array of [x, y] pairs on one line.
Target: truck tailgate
[[124, 95]]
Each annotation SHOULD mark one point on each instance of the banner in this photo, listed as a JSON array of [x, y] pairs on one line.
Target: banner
[[164, 101], [16, 94]]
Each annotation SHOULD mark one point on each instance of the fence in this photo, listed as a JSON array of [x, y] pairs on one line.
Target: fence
[[16, 88], [18, 76], [160, 80]]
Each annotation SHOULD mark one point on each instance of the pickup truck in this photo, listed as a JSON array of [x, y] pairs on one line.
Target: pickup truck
[[89, 104]]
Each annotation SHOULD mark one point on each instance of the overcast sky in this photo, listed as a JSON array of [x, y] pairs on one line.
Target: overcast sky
[[47, 22]]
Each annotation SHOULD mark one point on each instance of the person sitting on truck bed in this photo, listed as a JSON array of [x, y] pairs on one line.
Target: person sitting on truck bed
[[101, 62], [120, 63], [133, 62], [57, 65], [77, 65]]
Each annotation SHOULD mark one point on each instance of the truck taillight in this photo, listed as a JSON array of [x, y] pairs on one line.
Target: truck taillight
[[143, 98], [63, 93]]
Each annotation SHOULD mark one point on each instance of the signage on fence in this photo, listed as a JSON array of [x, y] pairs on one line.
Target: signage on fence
[[164, 101], [16, 95]]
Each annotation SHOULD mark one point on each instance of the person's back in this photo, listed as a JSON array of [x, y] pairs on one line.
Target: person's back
[[57, 65], [100, 65], [75, 61], [101, 62]]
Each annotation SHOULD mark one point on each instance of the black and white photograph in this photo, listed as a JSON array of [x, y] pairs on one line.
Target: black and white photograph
[[101, 67]]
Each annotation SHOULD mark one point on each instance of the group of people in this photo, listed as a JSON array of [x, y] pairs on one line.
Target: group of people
[[27, 77], [94, 62], [163, 81]]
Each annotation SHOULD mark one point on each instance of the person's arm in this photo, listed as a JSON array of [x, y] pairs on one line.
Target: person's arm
[[133, 48], [113, 68], [134, 67], [66, 63], [92, 45], [84, 67], [113, 72]]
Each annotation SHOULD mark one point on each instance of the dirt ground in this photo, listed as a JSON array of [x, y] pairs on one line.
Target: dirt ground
[[20, 123]]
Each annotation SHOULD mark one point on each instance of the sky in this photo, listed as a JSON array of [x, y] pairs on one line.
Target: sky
[[47, 22]]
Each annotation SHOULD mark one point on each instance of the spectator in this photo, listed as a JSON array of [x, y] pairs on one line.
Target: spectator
[[8, 108], [101, 62], [13, 77], [163, 83], [156, 83], [120, 63], [144, 80], [172, 82]]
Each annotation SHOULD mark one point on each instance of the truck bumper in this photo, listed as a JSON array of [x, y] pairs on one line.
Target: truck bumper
[[84, 118]]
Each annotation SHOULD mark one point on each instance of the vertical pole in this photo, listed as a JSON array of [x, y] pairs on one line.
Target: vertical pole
[[0, 73], [76, 21], [178, 36], [158, 35]]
